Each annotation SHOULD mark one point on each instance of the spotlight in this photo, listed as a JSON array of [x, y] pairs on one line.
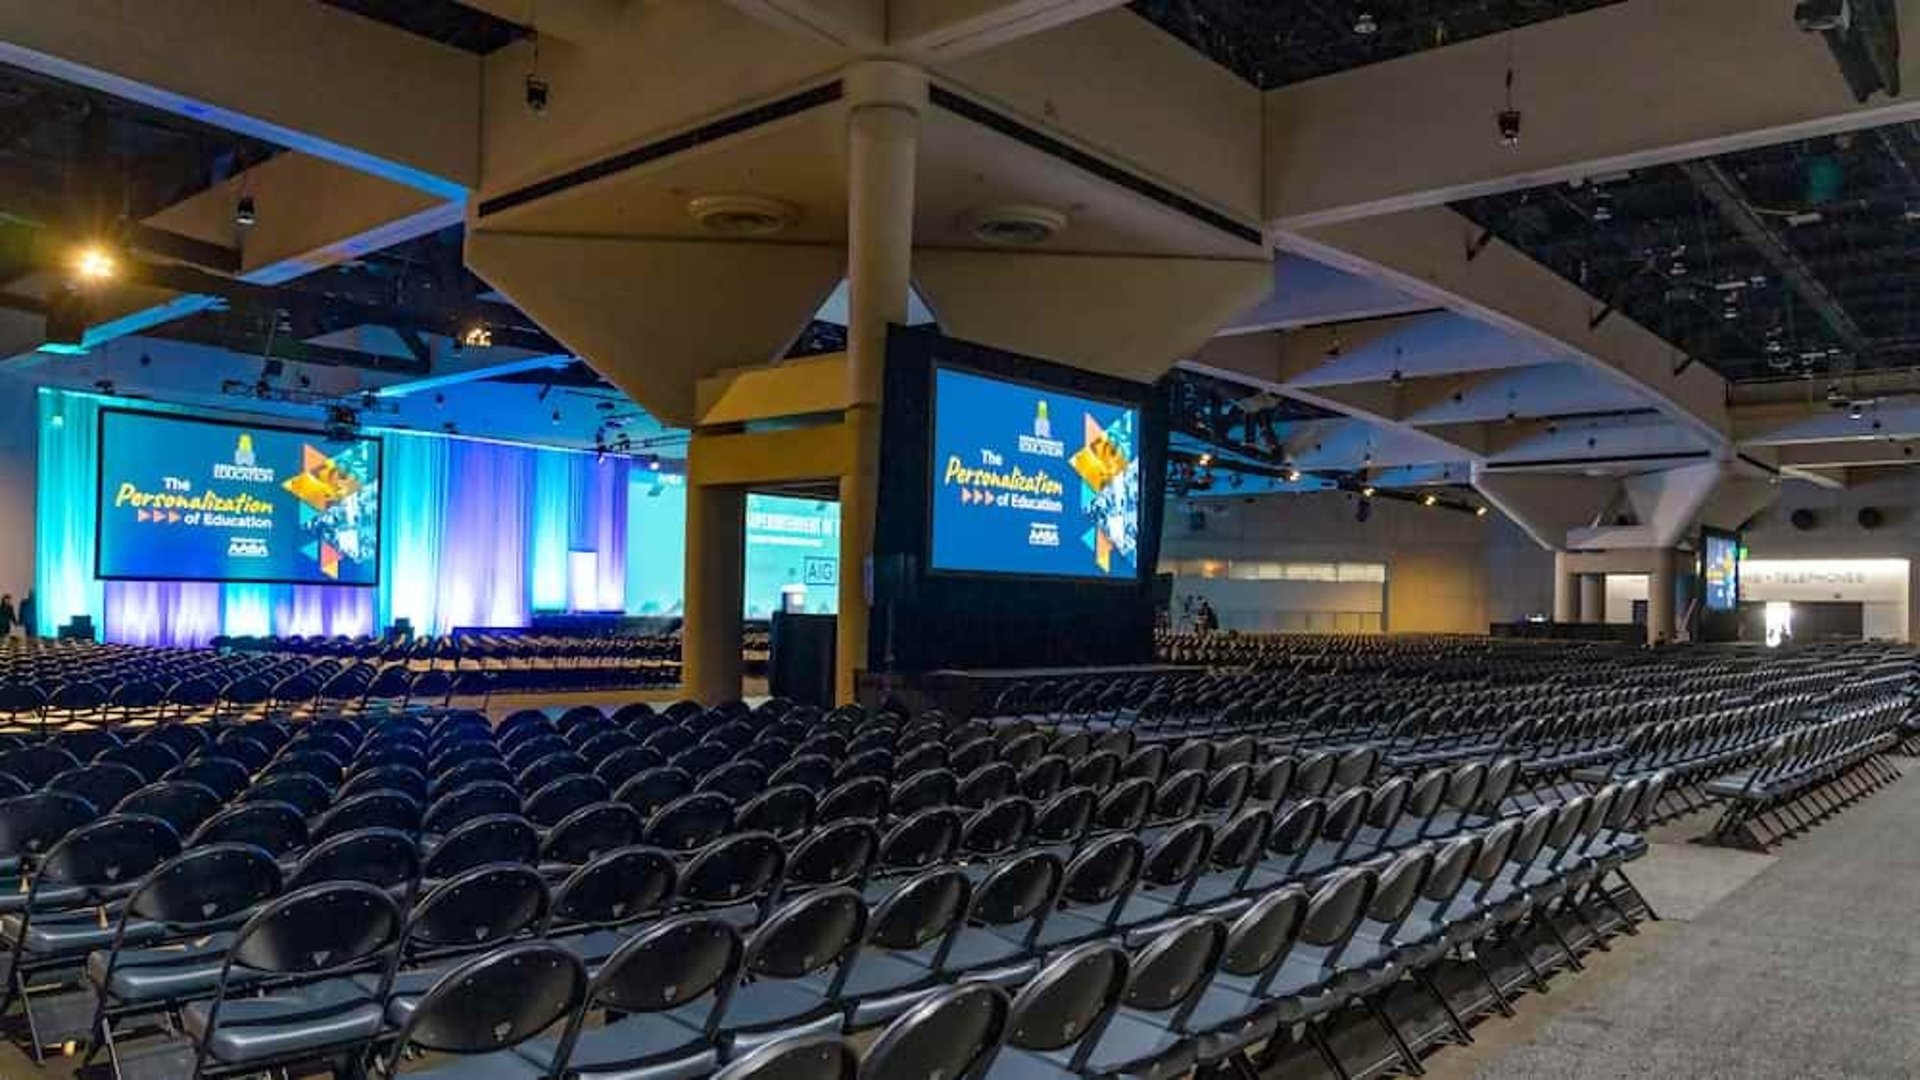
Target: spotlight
[[556, 416], [1365, 24], [1205, 460], [538, 93], [1293, 476], [1367, 492], [1854, 410], [1429, 500], [477, 336], [244, 214], [1508, 121], [1479, 511], [93, 264], [654, 465]]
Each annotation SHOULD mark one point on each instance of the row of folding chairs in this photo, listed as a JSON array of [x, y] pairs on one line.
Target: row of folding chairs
[[1810, 773]]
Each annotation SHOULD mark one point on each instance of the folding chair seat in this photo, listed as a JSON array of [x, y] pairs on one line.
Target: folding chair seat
[[1194, 754], [521, 725], [309, 942], [1098, 770], [701, 759], [1093, 888], [932, 755], [185, 740], [193, 902], [471, 912], [1148, 763], [690, 822], [733, 878], [225, 777], [1125, 806], [479, 799], [1339, 829], [527, 752], [1009, 907], [386, 752], [973, 754], [1236, 853], [862, 798], [649, 791], [276, 828], [767, 752], [595, 908], [318, 764], [951, 1033], [497, 838], [549, 768], [1059, 1013], [444, 757], [794, 969], [663, 991], [1024, 750], [88, 743], [1222, 1015], [621, 765], [1313, 777], [374, 810], [182, 804], [1386, 809]]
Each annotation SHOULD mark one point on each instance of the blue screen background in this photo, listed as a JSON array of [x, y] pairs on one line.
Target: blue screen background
[[1032, 481], [190, 500]]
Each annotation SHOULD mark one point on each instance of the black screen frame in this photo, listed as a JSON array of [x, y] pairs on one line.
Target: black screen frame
[[1709, 533], [933, 473], [99, 480]]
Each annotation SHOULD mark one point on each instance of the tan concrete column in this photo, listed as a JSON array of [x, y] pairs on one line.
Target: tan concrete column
[[882, 146], [1593, 598], [1660, 582], [710, 636], [1566, 591]]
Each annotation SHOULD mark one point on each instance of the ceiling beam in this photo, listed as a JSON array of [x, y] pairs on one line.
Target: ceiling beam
[[1624, 86], [1308, 293]]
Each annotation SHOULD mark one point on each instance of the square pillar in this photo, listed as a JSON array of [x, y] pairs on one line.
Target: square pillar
[[711, 632]]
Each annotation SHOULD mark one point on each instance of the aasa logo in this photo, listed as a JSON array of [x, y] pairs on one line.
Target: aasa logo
[[245, 466], [1042, 427]]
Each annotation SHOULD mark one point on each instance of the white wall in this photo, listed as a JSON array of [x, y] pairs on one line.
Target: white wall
[[1622, 591], [1301, 606], [1837, 533], [1879, 586], [1446, 571]]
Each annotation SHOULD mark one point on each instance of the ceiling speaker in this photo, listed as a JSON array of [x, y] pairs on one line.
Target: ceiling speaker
[[1803, 519], [1870, 517]]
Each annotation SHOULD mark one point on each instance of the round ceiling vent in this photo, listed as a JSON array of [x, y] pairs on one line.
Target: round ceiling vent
[[1014, 224], [743, 215]]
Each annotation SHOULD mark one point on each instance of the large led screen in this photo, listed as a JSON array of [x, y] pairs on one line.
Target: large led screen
[[1720, 554], [194, 500], [1032, 481]]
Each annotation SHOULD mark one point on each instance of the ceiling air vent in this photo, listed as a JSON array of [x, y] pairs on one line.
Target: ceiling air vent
[[743, 215], [1014, 224]]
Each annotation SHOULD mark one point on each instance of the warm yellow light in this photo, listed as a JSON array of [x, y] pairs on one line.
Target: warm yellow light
[[477, 336], [94, 263], [1428, 500], [1367, 491], [1480, 511]]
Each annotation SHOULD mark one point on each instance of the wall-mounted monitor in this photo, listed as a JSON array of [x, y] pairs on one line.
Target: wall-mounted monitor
[[1029, 480], [1720, 569], [200, 500]]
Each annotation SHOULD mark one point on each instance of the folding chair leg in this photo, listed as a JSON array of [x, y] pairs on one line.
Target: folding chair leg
[[1407, 1056], [1500, 1000], [1460, 1033], [1560, 939], [1621, 873], [1325, 1049]]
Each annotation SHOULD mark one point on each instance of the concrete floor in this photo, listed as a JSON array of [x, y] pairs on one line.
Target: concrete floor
[[1794, 965]]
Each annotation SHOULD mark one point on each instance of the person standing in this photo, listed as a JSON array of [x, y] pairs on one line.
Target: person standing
[[7, 615], [26, 615]]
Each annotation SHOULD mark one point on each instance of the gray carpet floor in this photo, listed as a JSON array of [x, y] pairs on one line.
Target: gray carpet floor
[[1810, 970]]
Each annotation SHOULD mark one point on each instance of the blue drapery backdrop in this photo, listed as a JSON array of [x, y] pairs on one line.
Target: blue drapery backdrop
[[474, 534]]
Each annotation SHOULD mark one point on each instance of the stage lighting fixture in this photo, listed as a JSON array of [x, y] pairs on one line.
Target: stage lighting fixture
[[244, 212], [538, 94], [1508, 121], [1429, 500], [93, 264], [477, 336], [556, 416], [1293, 476], [1854, 410], [1365, 24], [1367, 491], [1205, 460], [1479, 511]]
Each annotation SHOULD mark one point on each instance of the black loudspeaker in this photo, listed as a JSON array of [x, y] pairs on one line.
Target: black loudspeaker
[[800, 658], [1803, 519], [79, 629], [1870, 517], [894, 578]]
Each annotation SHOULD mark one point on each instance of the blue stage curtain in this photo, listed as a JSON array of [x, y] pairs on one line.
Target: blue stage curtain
[[552, 529], [180, 613], [486, 523], [414, 489], [610, 530], [64, 586]]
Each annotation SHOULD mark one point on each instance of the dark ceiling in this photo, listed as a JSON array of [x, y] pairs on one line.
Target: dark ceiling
[[445, 21], [1274, 42], [1789, 261]]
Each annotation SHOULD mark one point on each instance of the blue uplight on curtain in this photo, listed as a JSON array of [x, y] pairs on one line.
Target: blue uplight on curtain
[[485, 526], [64, 586], [414, 485], [552, 529]]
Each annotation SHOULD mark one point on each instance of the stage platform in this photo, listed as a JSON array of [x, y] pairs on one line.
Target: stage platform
[[965, 693]]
